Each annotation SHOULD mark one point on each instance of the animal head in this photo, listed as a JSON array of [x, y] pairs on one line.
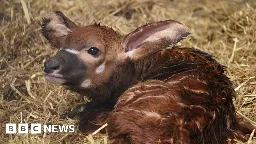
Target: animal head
[[89, 55]]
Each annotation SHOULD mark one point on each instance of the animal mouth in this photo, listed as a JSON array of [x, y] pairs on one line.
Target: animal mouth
[[54, 78]]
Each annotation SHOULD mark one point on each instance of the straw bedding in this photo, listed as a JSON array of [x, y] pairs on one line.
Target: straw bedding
[[225, 29]]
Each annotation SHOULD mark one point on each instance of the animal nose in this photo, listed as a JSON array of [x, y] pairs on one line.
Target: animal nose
[[51, 65]]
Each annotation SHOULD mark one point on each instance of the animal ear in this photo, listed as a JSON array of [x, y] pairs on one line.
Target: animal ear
[[154, 37], [56, 27]]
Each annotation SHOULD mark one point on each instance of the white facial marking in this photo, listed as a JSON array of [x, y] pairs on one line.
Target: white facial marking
[[86, 83], [72, 51], [101, 68]]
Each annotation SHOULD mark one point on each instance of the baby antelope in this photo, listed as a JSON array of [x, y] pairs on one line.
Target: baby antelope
[[145, 87]]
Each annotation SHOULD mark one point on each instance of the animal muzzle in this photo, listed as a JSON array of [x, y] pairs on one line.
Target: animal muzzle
[[51, 65], [64, 67]]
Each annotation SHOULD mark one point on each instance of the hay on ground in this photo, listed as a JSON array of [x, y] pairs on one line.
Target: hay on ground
[[225, 29]]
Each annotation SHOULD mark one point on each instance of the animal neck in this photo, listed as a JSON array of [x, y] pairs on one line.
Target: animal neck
[[169, 62]]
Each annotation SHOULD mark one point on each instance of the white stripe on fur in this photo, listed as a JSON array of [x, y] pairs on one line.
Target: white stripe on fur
[[72, 51]]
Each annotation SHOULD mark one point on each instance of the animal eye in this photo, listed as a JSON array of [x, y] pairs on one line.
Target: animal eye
[[94, 51]]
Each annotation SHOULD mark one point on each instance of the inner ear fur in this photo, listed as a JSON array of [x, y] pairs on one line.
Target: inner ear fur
[[56, 27], [154, 37]]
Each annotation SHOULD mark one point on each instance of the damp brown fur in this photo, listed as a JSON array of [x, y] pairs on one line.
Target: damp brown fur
[[224, 29], [149, 90], [193, 103]]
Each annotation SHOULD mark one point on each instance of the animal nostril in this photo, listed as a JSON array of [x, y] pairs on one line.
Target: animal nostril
[[51, 65]]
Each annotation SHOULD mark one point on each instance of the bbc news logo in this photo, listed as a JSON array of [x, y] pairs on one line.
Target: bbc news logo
[[37, 128]]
